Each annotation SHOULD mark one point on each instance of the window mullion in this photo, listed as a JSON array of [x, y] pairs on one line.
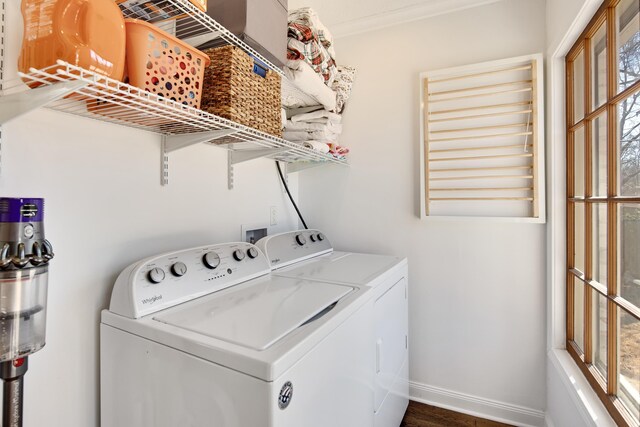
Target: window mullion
[[588, 209], [612, 191]]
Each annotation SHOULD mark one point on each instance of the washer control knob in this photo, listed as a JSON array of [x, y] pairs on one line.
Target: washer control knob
[[300, 240], [313, 238], [238, 255], [320, 237], [155, 275], [211, 260], [252, 252], [179, 269]]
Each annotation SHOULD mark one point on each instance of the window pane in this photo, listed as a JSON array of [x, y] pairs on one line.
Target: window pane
[[628, 43], [599, 67], [629, 160], [578, 313], [629, 372], [629, 244], [600, 333], [578, 88], [578, 161], [579, 237], [599, 267], [599, 169]]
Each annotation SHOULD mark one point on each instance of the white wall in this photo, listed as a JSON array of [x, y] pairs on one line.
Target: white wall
[[477, 306], [105, 209]]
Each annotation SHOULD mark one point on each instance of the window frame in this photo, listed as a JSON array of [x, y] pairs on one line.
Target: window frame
[[605, 386]]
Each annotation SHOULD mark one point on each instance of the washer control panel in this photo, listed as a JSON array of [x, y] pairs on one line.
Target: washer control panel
[[287, 248], [169, 279]]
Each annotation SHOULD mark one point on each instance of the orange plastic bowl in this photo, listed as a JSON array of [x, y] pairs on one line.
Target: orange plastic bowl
[[86, 33]]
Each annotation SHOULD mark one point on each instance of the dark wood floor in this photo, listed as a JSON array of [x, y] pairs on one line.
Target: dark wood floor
[[421, 415]]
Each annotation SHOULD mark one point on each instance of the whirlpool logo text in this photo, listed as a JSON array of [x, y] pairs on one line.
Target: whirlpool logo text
[[152, 299]]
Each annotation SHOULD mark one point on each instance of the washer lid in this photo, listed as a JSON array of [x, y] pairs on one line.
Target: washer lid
[[341, 267], [256, 316]]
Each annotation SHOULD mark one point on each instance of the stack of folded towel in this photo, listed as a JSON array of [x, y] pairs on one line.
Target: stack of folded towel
[[318, 129], [312, 68]]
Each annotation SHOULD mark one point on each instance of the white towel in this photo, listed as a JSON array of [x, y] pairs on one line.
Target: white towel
[[318, 135], [310, 127], [309, 82], [315, 115], [317, 145], [284, 118]]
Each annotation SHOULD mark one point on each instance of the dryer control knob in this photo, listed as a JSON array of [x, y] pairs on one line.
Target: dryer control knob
[[313, 238], [179, 269], [252, 252], [300, 240], [211, 260], [320, 237], [155, 275], [238, 255]]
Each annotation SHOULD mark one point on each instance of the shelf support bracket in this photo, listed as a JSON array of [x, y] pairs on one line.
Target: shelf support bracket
[[300, 166], [17, 104], [176, 142], [246, 155], [172, 143], [240, 156]]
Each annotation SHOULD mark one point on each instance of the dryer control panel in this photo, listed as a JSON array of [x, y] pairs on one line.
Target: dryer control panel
[[288, 248], [165, 280]]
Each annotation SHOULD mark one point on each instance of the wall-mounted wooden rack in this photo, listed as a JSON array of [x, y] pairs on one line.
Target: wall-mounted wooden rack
[[67, 88], [482, 140]]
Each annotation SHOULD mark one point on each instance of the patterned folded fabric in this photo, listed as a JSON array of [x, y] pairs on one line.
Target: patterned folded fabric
[[342, 86], [310, 41], [338, 151]]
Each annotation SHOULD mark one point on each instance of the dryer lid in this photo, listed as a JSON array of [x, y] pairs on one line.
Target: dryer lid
[[342, 267], [255, 316]]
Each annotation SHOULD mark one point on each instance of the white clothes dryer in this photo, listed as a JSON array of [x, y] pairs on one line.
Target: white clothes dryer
[[309, 255], [208, 337]]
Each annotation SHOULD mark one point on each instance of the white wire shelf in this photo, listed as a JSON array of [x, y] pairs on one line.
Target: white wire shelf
[[112, 101], [188, 23]]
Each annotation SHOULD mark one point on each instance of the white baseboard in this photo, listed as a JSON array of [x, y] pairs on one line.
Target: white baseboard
[[477, 406]]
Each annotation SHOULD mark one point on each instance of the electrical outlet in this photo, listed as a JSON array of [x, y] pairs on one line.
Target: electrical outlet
[[251, 234], [273, 216]]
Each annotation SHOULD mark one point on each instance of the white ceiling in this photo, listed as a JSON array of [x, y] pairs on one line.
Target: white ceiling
[[346, 17]]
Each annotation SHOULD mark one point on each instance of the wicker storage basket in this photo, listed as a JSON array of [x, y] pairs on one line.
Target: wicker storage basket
[[234, 91]]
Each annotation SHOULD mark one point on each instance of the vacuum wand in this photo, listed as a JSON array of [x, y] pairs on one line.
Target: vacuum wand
[[12, 373]]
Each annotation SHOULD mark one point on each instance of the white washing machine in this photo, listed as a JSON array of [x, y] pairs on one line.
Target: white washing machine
[[208, 337], [308, 255]]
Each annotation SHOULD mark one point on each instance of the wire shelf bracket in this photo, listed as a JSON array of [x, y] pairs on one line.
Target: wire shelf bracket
[[300, 166], [172, 143], [176, 142], [17, 104], [235, 157]]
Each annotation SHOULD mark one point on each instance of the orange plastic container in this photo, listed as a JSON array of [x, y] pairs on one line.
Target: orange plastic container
[[86, 33], [161, 64]]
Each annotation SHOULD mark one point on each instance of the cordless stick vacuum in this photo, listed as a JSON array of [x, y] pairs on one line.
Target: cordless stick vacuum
[[24, 258]]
